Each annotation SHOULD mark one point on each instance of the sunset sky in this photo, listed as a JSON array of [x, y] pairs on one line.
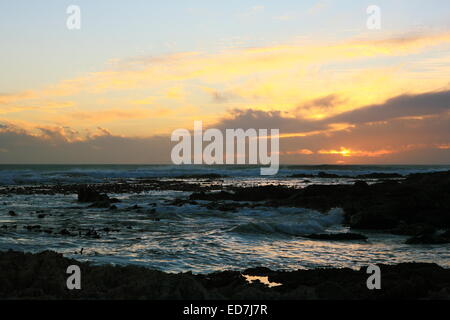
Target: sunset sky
[[113, 91]]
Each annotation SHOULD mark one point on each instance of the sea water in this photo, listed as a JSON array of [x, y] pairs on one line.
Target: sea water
[[192, 237]]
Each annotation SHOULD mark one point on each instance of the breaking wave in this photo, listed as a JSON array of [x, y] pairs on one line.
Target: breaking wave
[[312, 222]]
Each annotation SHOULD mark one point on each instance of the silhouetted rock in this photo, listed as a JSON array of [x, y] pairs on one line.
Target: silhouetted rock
[[101, 204], [336, 236], [430, 238], [374, 218], [65, 232], [378, 175], [374, 175], [413, 229], [327, 175], [89, 194], [43, 276], [93, 234]]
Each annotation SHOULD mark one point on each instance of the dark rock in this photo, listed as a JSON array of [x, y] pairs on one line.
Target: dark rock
[[41, 216], [262, 193], [43, 276], [430, 238], [12, 213], [88, 194], [101, 204], [413, 229], [178, 202], [230, 207], [65, 232], [373, 219], [327, 175], [257, 271], [30, 228], [321, 174], [379, 175], [336, 236], [360, 185], [93, 234]]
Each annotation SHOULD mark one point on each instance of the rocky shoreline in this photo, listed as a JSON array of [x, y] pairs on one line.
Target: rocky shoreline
[[43, 276], [418, 205]]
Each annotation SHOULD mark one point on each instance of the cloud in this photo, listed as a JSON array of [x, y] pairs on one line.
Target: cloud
[[300, 151], [396, 140], [430, 103], [54, 146], [250, 118], [108, 115], [406, 129], [317, 80], [320, 107], [144, 71], [322, 97]]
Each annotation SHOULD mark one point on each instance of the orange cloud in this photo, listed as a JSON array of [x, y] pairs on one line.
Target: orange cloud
[[116, 114], [444, 146], [300, 151], [279, 77]]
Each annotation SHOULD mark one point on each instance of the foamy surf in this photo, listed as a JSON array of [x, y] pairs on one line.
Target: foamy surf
[[306, 222]]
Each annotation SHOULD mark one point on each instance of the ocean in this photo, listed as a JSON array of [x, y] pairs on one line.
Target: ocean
[[150, 228]]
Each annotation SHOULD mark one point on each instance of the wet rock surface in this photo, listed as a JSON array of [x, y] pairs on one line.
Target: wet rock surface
[[43, 276], [336, 236]]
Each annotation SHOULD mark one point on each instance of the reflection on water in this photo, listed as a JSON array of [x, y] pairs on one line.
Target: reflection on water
[[264, 280]]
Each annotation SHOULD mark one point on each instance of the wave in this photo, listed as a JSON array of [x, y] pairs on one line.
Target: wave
[[313, 222]]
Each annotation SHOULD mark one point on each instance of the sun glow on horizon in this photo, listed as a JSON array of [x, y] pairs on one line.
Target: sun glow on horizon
[[346, 152]]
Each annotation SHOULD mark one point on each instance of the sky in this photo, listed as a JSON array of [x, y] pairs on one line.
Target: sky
[[114, 90]]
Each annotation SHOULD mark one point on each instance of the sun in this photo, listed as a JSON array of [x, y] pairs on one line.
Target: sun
[[342, 151], [345, 152]]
